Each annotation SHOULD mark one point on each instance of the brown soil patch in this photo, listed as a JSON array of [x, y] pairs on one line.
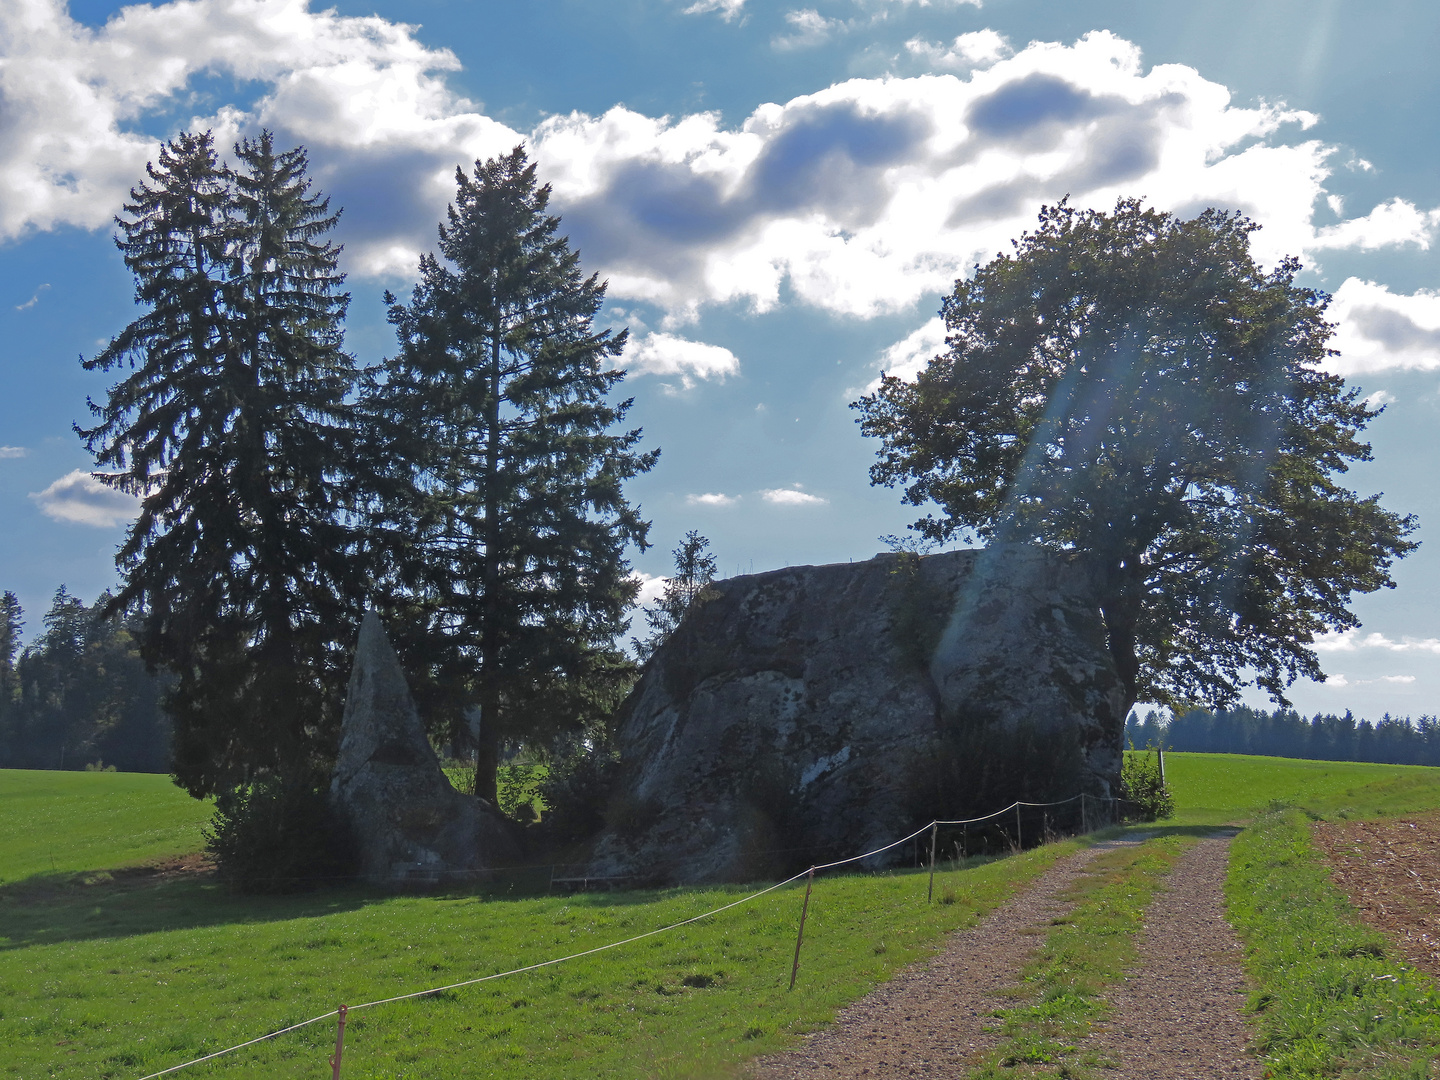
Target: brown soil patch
[[1178, 1013], [936, 1017], [45, 886], [1390, 870]]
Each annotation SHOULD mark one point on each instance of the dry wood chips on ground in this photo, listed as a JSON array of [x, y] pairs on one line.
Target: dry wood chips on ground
[[1391, 873]]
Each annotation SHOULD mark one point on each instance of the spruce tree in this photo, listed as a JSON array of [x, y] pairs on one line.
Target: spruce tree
[[499, 510], [688, 587], [12, 622], [230, 427]]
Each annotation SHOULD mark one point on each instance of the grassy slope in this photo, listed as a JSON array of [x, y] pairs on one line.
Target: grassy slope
[[116, 980], [1331, 998], [119, 983], [63, 822], [1216, 788]]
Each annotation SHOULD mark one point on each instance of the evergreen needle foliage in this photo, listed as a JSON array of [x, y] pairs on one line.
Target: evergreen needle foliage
[[1133, 391], [690, 585], [230, 426], [498, 518]]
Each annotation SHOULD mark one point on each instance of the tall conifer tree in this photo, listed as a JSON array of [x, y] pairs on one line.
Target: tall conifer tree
[[230, 427], [500, 506]]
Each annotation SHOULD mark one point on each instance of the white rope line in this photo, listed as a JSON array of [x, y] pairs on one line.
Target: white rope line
[[1013, 805], [877, 851], [485, 978], [241, 1046], [587, 952], [604, 948]]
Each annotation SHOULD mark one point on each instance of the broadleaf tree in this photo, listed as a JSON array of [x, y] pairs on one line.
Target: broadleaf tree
[[498, 516], [230, 425], [1135, 392]]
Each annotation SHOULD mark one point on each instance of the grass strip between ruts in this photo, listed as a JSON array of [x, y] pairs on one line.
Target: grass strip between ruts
[[1330, 999], [1084, 951]]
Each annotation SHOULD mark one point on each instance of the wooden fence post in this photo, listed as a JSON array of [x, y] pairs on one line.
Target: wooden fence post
[[934, 828], [1019, 839], [799, 937], [339, 1046]]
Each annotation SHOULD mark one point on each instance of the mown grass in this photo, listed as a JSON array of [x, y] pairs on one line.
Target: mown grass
[[67, 822], [1329, 997], [1060, 995], [121, 980], [127, 975], [1220, 788]]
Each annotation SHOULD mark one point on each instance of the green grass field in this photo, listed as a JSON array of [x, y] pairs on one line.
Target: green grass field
[[64, 822], [1212, 789], [119, 978]]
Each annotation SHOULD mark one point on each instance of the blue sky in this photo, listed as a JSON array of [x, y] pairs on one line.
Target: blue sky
[[779, 194]]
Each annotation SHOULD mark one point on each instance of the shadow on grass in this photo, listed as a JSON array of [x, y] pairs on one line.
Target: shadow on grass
[[49, 909]]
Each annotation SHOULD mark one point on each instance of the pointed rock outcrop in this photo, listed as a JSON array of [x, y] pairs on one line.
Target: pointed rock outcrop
[[411, 826]]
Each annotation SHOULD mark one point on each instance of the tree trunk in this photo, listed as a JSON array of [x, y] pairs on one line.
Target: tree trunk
[[487, 764], [1120, 615], [487, 752]]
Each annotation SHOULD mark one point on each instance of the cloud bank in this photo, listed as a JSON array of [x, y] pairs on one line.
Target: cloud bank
[[861, 199]]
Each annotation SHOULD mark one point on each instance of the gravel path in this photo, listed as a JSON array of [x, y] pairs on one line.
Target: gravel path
[[1177, 1015], [935, 1017]]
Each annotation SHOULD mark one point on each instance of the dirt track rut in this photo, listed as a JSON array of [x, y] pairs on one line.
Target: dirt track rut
[[1176, 1017]]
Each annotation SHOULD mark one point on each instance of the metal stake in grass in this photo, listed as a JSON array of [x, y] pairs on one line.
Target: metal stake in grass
[[934, 828], [795, 967], [339, 1046]]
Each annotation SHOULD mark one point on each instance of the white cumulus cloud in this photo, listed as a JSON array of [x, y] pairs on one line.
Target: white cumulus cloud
[[860, 199], [975, 49], [79, 497], [669, 355], [1352, 641], [1391, 224], [1378, 330], [370, 101], [12, 452], [791, 497], [808, 27], [910, 355], [726, 9], [652, 587], [712, 498]]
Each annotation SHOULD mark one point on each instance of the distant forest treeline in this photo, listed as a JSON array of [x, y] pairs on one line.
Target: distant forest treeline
[[1393, 740], [79, 695]]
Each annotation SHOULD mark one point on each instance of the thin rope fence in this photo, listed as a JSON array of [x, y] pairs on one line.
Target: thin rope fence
[[809, 873]]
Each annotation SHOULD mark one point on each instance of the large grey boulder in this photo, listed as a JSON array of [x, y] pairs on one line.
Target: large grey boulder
[[411, 826], [821, 711]]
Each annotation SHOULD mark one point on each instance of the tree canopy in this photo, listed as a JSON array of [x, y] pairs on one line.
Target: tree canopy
[[1135, 392], [497, 502], [231, 426]]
